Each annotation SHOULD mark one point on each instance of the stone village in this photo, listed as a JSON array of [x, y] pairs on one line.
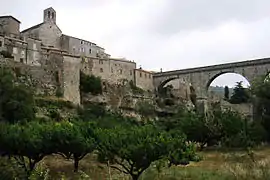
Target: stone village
[[44, 51], [55, 60]]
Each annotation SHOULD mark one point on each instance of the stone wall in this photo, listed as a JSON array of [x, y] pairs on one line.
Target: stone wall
[[144, 79], [33, 52], [71, 78], [50, 34], [9, 26], [16, 47], [80, 47], [111, 70]]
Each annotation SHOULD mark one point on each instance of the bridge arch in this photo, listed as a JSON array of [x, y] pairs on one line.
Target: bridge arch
[[223, 73], [163, 83]]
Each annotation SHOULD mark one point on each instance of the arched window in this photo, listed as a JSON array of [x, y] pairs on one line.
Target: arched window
[[52, 15], [49, 14]]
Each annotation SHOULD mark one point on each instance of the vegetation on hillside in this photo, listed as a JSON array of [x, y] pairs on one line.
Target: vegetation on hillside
[[121, 144], [90, 84]]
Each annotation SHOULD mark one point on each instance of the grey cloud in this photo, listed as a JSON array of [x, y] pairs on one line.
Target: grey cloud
[[180, 15]]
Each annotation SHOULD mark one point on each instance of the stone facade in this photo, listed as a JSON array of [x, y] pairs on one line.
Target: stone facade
[[144, 79], [71, 78], [82, 47], [9, 26], [55, 60], [112, 70]]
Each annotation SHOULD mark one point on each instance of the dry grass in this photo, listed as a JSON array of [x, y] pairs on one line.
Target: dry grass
[[215, 165]]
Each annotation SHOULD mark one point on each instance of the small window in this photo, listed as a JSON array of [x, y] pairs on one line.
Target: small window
[[1, 43], [115, 64], [130, 72], [49, 14], [15, 50], [81, 42], [140, 74], [90, 51], [52, 15], [101, 69], [100, 62], [21, 60]]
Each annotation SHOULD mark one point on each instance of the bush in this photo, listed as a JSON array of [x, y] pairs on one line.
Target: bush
[[10, 170], [90, 84], [135, 89], [6, 54], [16, 101]]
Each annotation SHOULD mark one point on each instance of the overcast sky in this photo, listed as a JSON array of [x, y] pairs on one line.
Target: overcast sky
[[167, 34]]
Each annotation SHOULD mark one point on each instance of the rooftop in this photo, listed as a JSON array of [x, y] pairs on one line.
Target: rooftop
[[10, 17]]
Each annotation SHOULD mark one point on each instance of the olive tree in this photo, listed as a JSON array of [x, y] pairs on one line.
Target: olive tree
[[133, 150]]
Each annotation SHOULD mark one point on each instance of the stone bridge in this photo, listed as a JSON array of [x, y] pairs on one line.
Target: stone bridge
[[200, 78]]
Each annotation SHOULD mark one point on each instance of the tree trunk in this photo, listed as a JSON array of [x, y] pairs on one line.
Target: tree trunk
[[76, 164], [135, 176]]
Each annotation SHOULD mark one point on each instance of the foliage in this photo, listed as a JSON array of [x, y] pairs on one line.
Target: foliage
[[91, 111], [14, 98], [135, 89], [226, 93], [260, 89], [9, 169], [52, 102], [133, 150], [96, 113], [6, 54], [58, 92], [26, 143], [145, 109], [240, 94], [73, 140], [90, 84]]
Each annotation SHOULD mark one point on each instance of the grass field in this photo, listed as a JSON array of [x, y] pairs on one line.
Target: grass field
[[218, 165]]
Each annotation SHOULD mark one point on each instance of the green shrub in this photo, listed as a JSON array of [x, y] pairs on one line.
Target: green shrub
[[10, 170], [135, 89], [90, 84], [6, 54]]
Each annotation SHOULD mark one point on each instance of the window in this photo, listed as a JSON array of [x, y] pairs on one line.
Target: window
[[90, 51], [81, 42], [15, 50], [130, 72], [140, 74], [100, 62], [149, 76], [34, 46], [21, 60], [49, 14], [145, 75], [1, 43], [52, 15], [121, 71], [115, 64], [22, 53], [111, 70], [101, 69]]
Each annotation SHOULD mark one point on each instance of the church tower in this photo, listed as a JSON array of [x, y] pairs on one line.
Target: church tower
[[49, 15]]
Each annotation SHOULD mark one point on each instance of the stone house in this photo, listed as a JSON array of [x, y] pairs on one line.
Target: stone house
[[36, 45]]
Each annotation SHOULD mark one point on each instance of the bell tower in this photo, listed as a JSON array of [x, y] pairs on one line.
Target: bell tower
[[49, 15]]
